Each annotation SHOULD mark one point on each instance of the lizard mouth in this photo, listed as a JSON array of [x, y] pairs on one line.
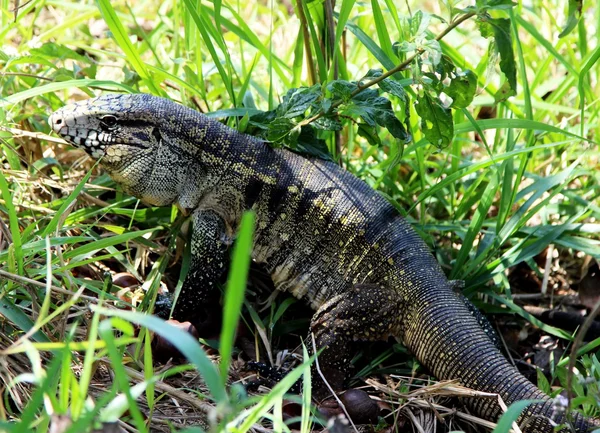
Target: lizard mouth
[[81, 137]]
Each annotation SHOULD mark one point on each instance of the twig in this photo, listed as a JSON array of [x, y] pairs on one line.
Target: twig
[[329, 386], [25, 280], [547, 266]]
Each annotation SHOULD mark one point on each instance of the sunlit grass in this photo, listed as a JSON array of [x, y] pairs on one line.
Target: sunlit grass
[[518, 176]]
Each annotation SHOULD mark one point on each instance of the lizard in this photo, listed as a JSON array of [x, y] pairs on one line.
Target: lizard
[[322, 234]]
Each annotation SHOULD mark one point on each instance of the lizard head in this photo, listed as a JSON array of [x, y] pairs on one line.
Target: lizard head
[[138, 139], [110, 126]]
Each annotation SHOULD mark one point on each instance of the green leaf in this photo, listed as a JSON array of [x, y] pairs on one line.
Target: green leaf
[[341, 89], [56, 51], [419, 23], [376, 110], [393, 87], [462, 89], [297, 101], [574, 14], [504, 47], [182, 341], [499, 4], [512, 413], [433, 50], [369, 133], [234, 293], [307, 143], [436, 120], [122, 38], [279, 128], [327, 123], [542, 382]]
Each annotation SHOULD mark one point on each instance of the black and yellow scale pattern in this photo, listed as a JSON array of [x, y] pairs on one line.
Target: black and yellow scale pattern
[[323, 235]]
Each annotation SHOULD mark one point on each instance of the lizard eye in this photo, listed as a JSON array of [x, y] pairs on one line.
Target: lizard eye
[[156, 134], [109, 121]]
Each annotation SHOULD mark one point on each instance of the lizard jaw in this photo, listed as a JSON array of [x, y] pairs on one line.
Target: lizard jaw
[[78, 135]]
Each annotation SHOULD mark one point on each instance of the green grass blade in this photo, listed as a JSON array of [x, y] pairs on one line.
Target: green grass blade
[[591, 61], [382, 32], [512, 414], [103, 243], [183, 341], [202, 24], [486, 201], [16, 316], [234, 294], [55, 87], [122, 38], [120, 376], [60, 213], [13, 222], [516, 124]]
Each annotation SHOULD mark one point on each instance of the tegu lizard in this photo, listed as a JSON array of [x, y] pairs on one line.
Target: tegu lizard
[[323, 235]]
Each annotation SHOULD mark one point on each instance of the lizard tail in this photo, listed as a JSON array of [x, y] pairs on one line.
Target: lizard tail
[[447, 339]]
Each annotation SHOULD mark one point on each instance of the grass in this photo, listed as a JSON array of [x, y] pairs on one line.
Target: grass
[[516, 177]]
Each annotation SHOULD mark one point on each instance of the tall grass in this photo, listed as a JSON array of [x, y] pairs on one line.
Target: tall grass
[[517, 176]]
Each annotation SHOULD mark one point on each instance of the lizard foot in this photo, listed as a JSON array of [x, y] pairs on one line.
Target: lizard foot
[[358, 405], [163, 350]]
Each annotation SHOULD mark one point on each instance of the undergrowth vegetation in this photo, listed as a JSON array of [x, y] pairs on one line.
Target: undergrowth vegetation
[[479, 122]]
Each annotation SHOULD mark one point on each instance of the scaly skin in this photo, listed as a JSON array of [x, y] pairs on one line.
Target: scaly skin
[[324, 236]]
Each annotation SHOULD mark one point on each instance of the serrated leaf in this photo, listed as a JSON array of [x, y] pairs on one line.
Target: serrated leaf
[[369, 133], [419, 23], [462, 89], [327, 123], [262, 120], [393, 88], [403, 47], [436, 120], [279, 128], [376, 110], [297, 101], [504, 47], [309, 144], [574, 14], [372, 73], [341, 89], [434, 52]]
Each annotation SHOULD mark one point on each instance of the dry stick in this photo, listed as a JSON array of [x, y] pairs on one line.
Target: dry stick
[[392, 71], [25, 280], [576, 344]]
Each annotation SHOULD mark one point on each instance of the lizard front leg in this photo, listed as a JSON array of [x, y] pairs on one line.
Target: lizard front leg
[[199, 297]]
